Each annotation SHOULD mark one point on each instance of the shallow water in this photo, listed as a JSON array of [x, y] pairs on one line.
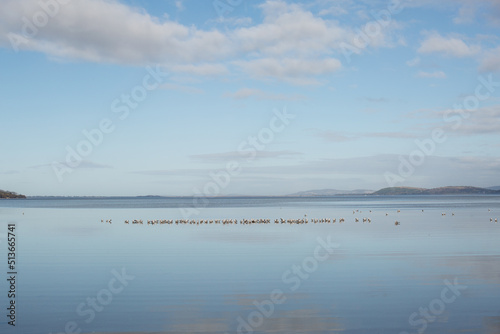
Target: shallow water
[[276, 278]]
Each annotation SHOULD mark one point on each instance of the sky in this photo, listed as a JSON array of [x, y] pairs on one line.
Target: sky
[[226, 97]]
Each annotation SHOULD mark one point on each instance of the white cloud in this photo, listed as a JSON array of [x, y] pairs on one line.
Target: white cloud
[[246, 92], [290, 29], [294, 44], [179, 5], [413, 62], [469, 11], [435, 75], [479, 122], [201, 69], [466, 14], [449, 46], [108, 31], [491, 61]]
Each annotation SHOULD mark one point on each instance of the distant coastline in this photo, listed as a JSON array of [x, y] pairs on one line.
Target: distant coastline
[[398, 191], [10, 194], [391, 191], [455, 190]]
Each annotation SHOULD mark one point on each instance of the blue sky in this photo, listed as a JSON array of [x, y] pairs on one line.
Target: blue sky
[[335, 94]]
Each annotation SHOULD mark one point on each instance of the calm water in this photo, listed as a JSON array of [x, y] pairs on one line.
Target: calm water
[[78, 274]]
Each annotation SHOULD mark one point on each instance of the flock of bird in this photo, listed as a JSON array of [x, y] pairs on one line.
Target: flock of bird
[[229, 221], [299, 221]]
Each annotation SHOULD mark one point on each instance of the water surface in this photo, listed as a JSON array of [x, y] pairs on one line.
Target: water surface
[[221, 278]]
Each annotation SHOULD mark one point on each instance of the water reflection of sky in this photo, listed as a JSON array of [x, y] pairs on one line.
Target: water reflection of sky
[[202, 278]]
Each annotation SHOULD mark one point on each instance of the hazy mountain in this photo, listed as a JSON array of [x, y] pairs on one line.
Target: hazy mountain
[[494, 188]]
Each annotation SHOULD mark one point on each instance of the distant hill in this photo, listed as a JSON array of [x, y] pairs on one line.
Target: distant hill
[[330, 192], [400, 191], [460, 190], [457, 190], [10, 194]]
